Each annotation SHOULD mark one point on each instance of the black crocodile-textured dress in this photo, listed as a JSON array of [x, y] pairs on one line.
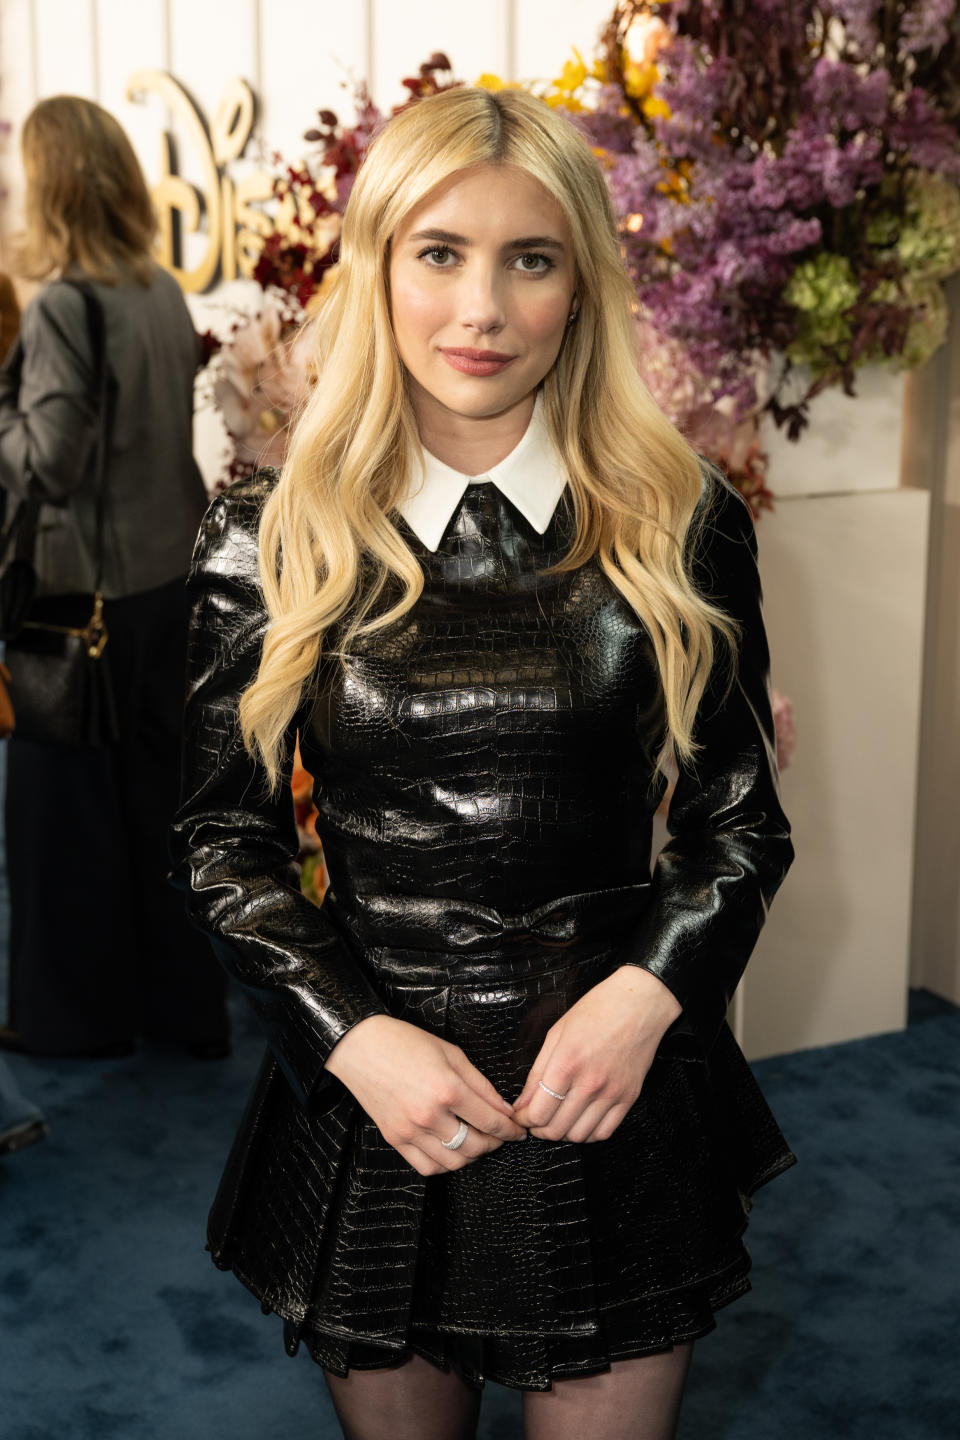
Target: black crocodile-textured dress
[[485, 784]]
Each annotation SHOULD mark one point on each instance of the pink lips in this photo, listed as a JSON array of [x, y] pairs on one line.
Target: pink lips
[[477, 362]]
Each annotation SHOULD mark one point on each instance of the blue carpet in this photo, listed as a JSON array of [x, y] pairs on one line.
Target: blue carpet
[[115, 1324]]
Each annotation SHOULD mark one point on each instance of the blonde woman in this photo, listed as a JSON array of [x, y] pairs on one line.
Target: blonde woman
[[502, 1131], [100, 951]]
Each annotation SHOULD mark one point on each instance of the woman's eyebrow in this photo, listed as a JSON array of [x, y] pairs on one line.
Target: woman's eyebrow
[[538, 242], [446, 236], [525, 242]]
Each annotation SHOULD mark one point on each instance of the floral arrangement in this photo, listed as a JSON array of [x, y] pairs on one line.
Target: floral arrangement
[[313, 871], [784, 173], [785, 727]]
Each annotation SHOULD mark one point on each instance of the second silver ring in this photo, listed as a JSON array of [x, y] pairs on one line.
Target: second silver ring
[[463, 1130]]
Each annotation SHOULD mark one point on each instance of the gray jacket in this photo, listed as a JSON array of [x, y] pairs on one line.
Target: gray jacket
[[48, 428]]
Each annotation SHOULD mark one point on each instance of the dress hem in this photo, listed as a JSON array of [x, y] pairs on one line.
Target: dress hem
[[297, 1329]]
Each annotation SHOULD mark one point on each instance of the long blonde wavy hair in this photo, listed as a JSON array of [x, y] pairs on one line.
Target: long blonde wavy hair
[[87, 202], [328, 545]]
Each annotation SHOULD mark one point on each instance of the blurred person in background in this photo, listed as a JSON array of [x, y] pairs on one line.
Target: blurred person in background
[[21, 1123], [100, 951], [9, 314]]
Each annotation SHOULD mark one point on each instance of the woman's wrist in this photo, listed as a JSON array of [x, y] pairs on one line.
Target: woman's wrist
[[341, 1055], [648, 991]]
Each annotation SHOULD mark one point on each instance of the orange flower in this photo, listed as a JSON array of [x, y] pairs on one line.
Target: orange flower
[[301, 783]]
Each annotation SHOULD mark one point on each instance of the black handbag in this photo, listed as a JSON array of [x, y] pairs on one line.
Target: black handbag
[[60, 684]]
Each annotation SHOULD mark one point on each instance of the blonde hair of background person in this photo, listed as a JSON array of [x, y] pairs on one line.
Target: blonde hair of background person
[[635, 483], [87, 203]]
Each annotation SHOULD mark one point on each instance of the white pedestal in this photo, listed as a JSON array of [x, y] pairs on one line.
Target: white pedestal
[[849, 445], [844, 580]]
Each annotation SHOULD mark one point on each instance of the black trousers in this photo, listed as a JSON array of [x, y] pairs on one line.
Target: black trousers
[[100, 947]]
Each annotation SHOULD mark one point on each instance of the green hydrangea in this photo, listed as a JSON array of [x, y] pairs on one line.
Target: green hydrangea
[[883, 229], [822, 289], [928, 328], [824, 284], [928, 246]]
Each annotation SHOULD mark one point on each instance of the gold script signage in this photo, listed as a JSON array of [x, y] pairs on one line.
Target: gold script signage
[[234, 226]]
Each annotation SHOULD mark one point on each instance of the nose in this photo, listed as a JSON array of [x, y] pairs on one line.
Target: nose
[[482, 302]]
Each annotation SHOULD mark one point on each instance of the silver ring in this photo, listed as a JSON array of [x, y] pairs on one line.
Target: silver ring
[[554, 1093], [463, 1130]]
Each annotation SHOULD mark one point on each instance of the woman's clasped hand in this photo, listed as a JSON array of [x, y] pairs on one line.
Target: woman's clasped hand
[[416, 1087], [597, 1056]]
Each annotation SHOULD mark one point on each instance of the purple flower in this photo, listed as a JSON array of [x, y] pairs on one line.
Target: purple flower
[[606, 125], [859, 20], [796, 235], [793, 180], [694, 88], [836, 91], [924, 25], [850, 168], [920, 132], [773, 156]]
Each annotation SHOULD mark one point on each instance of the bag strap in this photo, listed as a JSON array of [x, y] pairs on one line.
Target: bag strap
[[20, 535], [97, 329]]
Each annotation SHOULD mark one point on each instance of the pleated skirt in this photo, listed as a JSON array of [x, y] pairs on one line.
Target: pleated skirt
[[540, 1261]]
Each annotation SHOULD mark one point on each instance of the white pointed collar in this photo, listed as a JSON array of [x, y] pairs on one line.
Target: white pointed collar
[[531, 477]]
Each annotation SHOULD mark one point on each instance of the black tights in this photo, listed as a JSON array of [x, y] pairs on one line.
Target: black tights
[[633, 1400]]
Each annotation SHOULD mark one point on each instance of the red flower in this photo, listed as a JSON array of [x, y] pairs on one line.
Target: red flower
[[211, 345]]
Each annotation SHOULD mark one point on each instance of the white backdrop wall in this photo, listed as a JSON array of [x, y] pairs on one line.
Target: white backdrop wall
[[294, 53]]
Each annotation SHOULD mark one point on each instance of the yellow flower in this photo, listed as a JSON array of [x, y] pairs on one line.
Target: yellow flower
[[639, 79], [676, 182], [655, 109], [491, 82], [572, 75]]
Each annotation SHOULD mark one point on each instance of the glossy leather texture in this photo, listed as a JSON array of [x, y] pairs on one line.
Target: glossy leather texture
[[486, 787]]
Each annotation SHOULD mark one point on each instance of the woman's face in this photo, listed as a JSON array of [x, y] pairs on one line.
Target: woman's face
[[482, 281]]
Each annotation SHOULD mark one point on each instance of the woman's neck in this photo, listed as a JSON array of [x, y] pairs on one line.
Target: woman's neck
[[471, 444]]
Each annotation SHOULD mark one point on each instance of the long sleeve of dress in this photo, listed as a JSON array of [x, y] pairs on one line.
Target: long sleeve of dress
[[730, 845], [233, 845], [48, 417]]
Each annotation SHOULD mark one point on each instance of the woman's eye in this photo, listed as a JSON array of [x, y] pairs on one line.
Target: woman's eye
[[438, 255], [533, 263]]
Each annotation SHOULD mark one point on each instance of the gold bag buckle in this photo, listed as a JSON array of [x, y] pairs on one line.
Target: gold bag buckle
[[94, 633]]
